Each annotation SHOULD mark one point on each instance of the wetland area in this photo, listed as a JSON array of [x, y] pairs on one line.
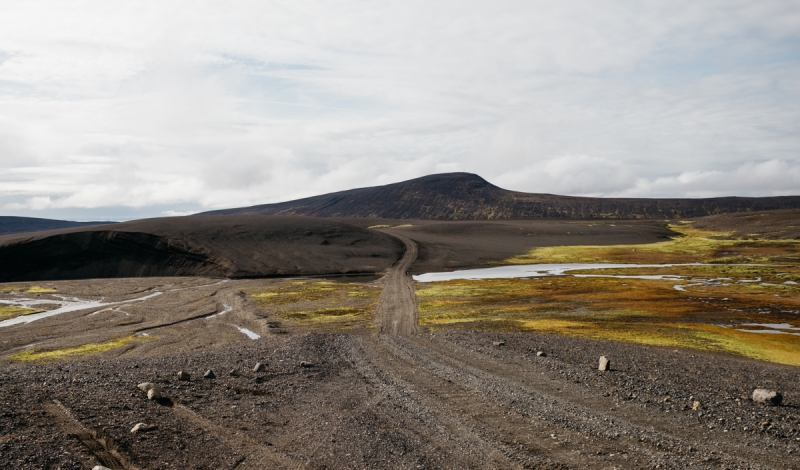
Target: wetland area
[[477, 347]]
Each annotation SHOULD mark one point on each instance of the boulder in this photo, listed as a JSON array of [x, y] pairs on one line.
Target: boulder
[[604, 364], [154, 393], [209, 374], [259, 367], [146, 386], [184, 376], [767, 397]]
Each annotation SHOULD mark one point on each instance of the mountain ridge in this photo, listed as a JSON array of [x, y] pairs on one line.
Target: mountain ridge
[[466, 196]]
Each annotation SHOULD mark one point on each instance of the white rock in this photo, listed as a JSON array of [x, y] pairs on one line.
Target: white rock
[[604, 364], [259, 367], [146, 386], [154, 393], [768, 397], [100, 467]]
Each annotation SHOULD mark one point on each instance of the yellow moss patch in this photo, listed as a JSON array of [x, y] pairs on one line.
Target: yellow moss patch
[[691, 245], [29, 290], [321, 303], [10, 311], [632, 310], [39, 355]]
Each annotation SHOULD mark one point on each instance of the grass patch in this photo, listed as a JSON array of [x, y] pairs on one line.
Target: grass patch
[[323, 304], [38, 355], [29, 290], [641, 311], [690, 246], [9, 311]]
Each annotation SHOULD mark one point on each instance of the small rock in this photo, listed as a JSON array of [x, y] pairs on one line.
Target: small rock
[[209, 374], [100, 467], [154, 393], [541, 354], [146, 386], [306, 364], [605, 364], [499, 343], [696, 405], [259, 367], [234, 373], [142, 427], [184, 376], [767, 397]]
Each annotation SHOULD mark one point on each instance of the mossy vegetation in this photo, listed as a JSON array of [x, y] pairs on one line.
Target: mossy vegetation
[[53, 355], [10, 311], [716, 302], [691, 245], [29, 290], [328, 305]]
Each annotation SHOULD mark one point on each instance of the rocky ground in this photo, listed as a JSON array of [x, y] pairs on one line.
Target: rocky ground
[[433, 400]]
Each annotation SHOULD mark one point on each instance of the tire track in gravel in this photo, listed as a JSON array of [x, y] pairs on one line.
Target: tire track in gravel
[[101, 447], [256, 455], [530, 418], [397, 304], [628, 426]]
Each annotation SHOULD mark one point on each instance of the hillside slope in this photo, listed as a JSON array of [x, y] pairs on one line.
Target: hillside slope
[[11, 224], [464, 196], [239, 246]]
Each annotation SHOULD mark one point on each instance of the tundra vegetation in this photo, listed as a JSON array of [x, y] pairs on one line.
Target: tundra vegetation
[[320, 304], [729, 304], [53, 355]]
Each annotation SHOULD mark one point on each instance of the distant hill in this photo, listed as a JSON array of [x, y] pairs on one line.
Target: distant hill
[[232, 246], [465, 196], [10, 224]]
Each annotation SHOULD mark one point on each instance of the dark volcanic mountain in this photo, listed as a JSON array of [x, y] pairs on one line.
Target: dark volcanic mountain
[[10, 224], [234, 246], [464, 196]]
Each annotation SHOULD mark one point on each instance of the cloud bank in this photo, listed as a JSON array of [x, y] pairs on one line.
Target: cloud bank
[[121, 110]]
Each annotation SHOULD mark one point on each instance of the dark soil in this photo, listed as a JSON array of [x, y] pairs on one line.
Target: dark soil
[[782, 224], [447, 245], [368, 402], [241, 246]]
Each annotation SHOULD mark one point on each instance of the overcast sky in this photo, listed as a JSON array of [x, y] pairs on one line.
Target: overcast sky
[[120, 110]]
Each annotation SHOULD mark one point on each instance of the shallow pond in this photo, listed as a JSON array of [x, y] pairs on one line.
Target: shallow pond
[[544, 270]]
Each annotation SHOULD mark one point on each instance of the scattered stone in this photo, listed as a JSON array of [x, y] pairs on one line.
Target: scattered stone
[[146, 386], [234, 373], [499, 343], [696, 405], [154, 393], [184, 376], [259, 367], [541, 354], [306, 364], [100, 467], [605, 364], [142, 427], [767, 397], [209, 374]]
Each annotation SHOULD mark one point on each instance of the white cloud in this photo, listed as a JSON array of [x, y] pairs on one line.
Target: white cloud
[[198, 105]]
